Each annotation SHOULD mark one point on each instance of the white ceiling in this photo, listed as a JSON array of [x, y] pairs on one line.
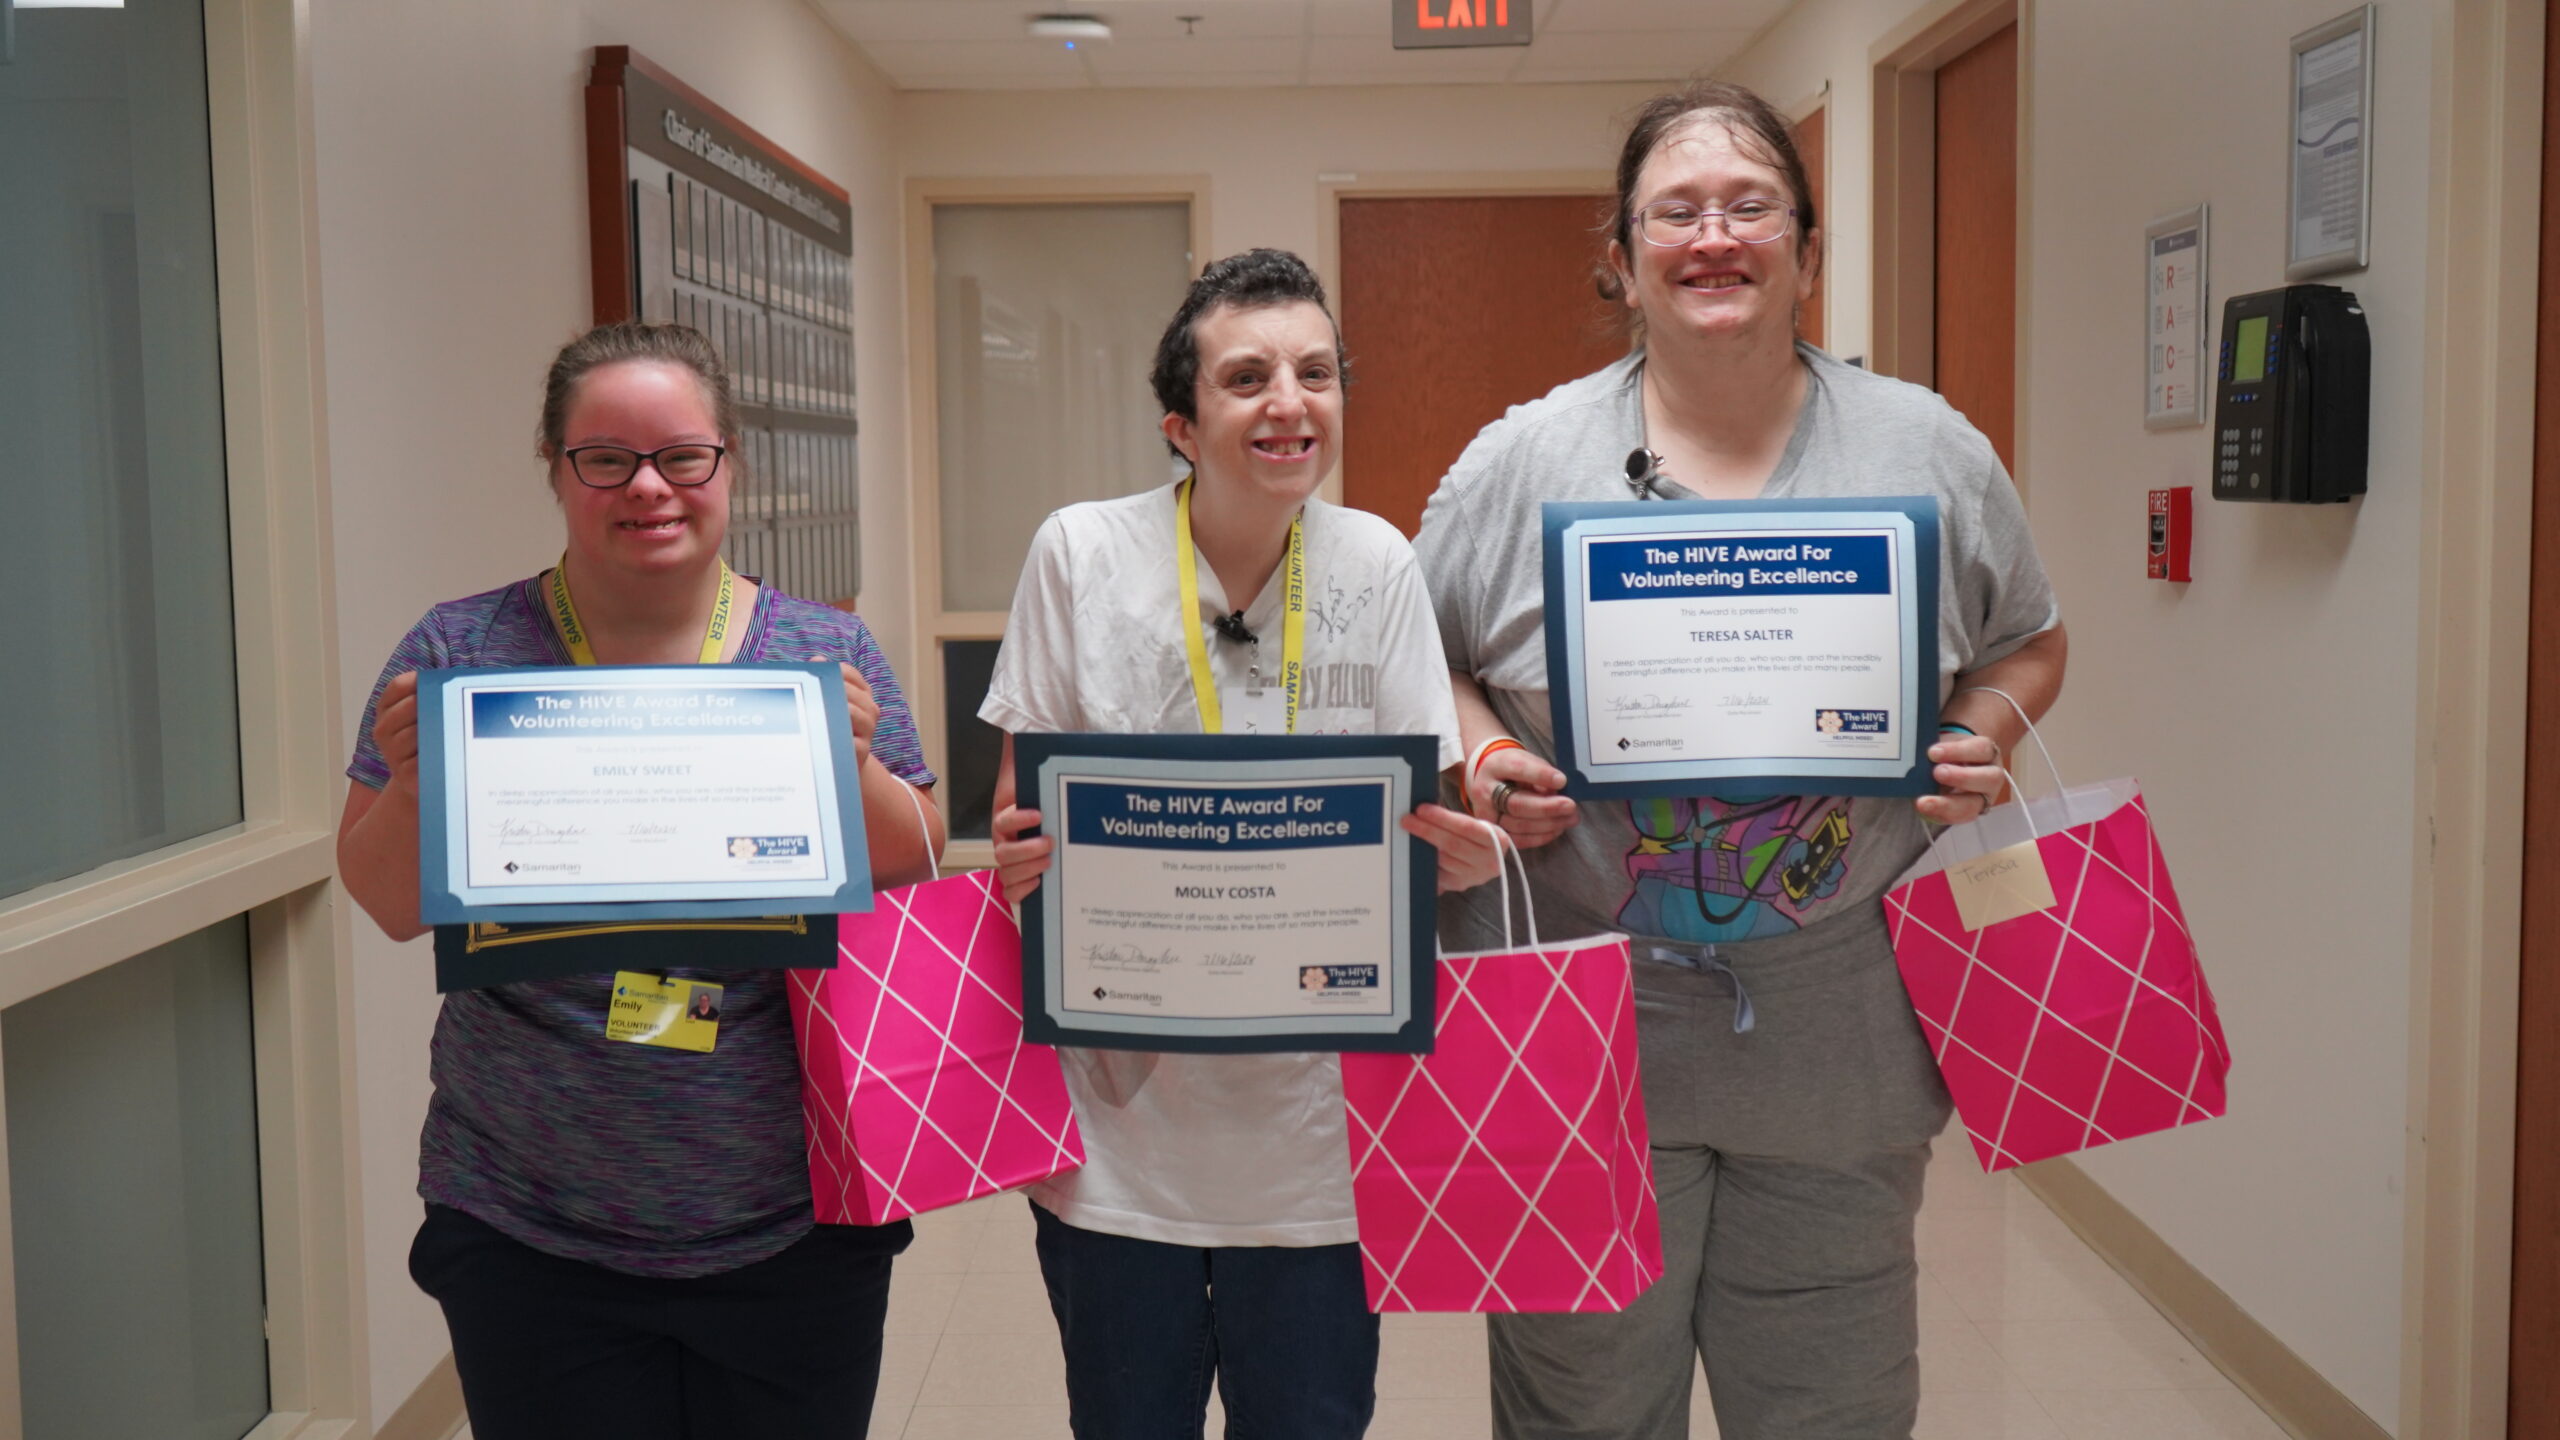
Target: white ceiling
[[986, 44]]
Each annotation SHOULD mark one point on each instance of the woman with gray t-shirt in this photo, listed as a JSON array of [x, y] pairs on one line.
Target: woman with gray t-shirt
[[1791, 1096]]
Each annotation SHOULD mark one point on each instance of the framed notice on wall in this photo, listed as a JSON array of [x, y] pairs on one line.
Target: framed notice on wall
[[2174, 299], [2331, 207], [698, 219]]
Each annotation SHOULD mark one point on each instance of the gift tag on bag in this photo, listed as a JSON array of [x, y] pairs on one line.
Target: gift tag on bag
[[2002, 885]]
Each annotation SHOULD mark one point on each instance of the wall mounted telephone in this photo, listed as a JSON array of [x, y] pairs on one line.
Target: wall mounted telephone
[[2292, 408]]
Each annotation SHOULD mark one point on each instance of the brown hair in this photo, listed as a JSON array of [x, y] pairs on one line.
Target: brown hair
[[679, 345], [1758, 131]]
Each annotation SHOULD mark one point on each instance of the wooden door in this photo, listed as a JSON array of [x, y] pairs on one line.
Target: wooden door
[[2533, 1355], [1455, 308], [1811, 131], [1977, 238]]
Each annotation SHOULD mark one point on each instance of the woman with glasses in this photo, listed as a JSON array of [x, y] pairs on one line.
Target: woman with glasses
[[1791, 1096], [620, 1233]]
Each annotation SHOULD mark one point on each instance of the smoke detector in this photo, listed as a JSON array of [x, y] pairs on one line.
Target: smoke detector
[[1070, 28]]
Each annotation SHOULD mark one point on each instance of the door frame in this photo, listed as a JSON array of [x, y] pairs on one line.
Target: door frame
[[1332, 190], [2475, 587], [1902, 313], [929, 624]]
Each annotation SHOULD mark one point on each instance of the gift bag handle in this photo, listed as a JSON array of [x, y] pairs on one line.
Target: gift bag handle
[[2032, 732], [924, 823], [1506, 853]]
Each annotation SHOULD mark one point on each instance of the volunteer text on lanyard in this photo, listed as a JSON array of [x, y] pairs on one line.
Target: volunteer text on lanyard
[[715, 638], [1293, 641], [646, 1008]]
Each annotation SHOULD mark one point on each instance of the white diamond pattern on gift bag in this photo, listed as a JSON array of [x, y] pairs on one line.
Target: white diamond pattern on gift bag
[[1509, 1169], [2071, 1027], [918, 1089]]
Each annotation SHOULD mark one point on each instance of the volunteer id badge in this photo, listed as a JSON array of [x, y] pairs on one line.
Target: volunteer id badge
[[650, 1009], [1254, 710]]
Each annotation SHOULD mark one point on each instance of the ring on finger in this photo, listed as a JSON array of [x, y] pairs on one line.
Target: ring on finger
[[1502, 798]]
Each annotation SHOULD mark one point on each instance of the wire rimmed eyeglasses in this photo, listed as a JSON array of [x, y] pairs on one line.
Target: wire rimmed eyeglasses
[[1669, 223], [610, 467]]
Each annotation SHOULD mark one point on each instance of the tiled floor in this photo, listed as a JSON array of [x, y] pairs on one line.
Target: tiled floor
[[2024, 1335]]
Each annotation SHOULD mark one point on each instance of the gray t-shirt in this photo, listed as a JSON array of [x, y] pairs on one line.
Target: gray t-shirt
[[1714, 871]]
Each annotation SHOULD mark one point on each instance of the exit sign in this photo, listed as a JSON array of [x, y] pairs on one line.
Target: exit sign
[[1448, 24]]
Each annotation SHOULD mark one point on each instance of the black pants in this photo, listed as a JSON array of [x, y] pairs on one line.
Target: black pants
[[552, 1349]]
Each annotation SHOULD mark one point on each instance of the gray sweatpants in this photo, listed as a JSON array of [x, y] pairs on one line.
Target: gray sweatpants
[[1788, 1164]]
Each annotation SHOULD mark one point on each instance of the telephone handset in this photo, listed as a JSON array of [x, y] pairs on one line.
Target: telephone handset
[[2293, 402]]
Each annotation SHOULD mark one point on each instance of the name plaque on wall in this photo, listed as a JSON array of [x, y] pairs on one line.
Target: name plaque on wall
[[700, 220]]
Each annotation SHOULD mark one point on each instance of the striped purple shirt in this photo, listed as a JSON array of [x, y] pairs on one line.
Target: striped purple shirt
[[640, 1159]]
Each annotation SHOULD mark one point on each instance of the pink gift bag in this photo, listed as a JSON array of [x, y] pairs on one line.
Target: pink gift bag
[[2051, 966], [916, 1085], [1507, 1170]]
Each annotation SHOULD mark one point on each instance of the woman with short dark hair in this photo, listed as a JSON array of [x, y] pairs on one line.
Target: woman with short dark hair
[[1209, 1236], [1790, 1130]]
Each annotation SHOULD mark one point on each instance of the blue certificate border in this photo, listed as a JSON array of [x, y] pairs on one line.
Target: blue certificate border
[[441, 734], [1410, 762], [1915, 518]]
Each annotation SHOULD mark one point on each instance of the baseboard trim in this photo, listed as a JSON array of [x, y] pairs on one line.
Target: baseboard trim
[[2296, 1396], [433, 1411]]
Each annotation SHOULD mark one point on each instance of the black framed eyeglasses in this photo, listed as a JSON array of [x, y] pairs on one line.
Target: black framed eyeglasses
[[1669, 223], [610, 467]]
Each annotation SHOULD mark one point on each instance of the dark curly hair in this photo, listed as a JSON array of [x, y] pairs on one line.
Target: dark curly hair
[[1759, 132], [1248, 281]]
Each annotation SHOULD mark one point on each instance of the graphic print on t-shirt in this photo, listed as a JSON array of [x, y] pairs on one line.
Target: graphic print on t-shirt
[[1715, 871]]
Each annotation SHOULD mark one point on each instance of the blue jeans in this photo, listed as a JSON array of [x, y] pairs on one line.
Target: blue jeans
[[1286, 1333]]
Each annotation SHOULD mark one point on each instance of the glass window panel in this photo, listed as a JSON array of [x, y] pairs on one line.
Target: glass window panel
[[120, 702], [971, 747], [133, 1197], [1046, 318]]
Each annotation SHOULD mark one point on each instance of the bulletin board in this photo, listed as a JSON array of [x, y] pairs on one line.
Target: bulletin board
[[698, 219]]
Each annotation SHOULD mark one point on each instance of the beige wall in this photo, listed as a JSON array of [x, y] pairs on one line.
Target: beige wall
[[1263, 149], [453, 216], [2269, 708]]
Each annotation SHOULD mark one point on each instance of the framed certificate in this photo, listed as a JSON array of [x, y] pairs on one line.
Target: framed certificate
[[1719, 647], [2329, 220], [1230, 893], [626, 793]]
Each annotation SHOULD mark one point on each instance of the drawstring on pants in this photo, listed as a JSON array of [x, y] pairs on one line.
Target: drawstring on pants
[[1705, 960]]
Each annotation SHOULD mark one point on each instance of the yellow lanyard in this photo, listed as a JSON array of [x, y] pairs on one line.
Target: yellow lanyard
[[714, 639], [1293, 638]]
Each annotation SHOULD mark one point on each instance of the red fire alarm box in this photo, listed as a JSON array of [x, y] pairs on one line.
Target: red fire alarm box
[[2173, 513]]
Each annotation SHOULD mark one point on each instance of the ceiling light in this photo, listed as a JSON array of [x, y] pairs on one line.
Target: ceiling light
[[1070, 28]]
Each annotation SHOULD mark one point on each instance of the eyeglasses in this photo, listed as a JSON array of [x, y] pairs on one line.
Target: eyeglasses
[[610, 467], [1677, 222]]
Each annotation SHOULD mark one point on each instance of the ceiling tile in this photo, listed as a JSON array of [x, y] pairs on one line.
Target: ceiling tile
[[1661, 52], [962, 80], [1219, 19], [1330, 56], [1349, 17], [1567, 16], [1200, 56], [1024, 57], [870, 22], [1190, 80]]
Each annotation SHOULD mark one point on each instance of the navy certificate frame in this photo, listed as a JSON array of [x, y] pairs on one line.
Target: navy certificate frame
[[1599, 553], [799, 699], [1157, 818]]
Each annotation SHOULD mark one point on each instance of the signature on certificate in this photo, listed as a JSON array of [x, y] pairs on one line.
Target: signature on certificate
[[537, 830], [1126, 957], [1745, 702], [1648, 703]]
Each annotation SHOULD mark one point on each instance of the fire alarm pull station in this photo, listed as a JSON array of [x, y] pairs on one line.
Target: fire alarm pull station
[[2172, 532], [2290, 412]]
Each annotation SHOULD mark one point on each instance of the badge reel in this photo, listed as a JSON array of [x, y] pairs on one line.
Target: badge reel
[[1256, 707]]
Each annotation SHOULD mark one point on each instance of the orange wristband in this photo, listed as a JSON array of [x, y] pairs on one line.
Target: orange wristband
[[1488, 749]]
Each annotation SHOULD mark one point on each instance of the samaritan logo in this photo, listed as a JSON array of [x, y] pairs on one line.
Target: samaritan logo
[[1853, 722], [1142, 997], [1674, 742], [768, 847]]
